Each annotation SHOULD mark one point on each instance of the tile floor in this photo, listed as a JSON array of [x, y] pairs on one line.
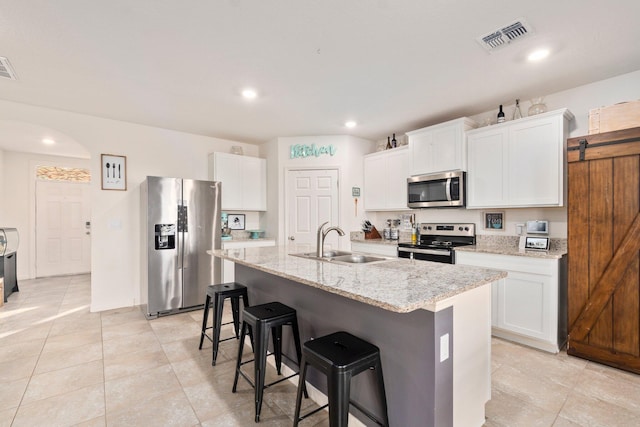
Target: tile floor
[[61, 365]]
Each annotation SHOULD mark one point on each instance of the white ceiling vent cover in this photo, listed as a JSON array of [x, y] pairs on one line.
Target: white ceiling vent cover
[[5, 69], [502, 37]]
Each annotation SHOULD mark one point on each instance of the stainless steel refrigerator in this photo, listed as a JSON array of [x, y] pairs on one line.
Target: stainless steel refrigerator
[[180, 222]]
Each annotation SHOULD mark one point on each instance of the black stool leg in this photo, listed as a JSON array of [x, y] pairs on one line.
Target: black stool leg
[[205, 316], [382, 393], [301, 386], [235, 310], [218, 307], [239, 359], [245, 303], [339, 387], [260, 365], [277, 347], [296, 339]]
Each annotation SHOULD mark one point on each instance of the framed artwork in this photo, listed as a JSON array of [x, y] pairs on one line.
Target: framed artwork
[[493, 220], [537, 243], [236, 221], [113, 172]]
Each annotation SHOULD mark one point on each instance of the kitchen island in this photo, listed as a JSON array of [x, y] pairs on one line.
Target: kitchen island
[[432, 323]]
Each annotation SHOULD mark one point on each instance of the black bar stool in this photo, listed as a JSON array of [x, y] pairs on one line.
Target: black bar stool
[[219, 293], [341, 356], [260, 319]]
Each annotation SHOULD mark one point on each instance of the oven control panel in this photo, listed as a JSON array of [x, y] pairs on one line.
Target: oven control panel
[[438, 229]]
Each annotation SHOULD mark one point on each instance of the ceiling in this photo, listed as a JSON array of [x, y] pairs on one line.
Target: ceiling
[[390, 65]]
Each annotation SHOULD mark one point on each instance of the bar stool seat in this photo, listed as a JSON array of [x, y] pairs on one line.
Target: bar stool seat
[[341, 356], [260, 319], [219, 293]]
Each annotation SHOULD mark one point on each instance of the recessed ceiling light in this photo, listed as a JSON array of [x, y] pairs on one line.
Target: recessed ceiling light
[[48, 141], [249, 93], [539, 54], [350, 124]]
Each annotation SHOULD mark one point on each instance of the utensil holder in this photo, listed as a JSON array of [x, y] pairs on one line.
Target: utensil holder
[[373, 234]]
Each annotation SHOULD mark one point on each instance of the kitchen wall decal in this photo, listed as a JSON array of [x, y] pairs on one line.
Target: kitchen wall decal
[[493, 220], [114, 172], [302, 150], [236, 221]]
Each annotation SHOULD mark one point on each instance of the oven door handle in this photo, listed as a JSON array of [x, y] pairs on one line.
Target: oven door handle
[[426, 251], [448, 189]]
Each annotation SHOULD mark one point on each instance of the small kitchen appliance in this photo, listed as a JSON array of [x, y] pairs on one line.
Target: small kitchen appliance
[[438, 190], [9, 242], [437, 242]]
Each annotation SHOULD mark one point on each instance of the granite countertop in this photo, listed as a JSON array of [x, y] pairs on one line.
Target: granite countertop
[[508, 245], [398, 285], [499, 245], [514, 251], [248, 239], [380, 241]]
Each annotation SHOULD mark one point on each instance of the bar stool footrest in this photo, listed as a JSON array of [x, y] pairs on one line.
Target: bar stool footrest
[[270, 384]]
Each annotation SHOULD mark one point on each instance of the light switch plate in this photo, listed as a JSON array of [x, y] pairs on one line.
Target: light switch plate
[[444, 347]]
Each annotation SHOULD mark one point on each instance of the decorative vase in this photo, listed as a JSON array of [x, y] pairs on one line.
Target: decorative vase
[[537, 106]]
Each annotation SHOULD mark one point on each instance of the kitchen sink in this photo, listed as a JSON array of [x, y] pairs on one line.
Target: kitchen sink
[[357, 259], [342, 257], [325, 254], [333, 254]]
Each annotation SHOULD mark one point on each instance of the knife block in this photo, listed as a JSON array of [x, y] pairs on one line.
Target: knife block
[[373, 234]]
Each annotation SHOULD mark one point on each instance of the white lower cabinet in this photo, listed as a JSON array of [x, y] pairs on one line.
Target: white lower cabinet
[[529, 305], [228, 267], [375, 248]]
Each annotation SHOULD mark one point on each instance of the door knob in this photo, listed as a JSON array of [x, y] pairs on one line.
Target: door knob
[[292, 237]]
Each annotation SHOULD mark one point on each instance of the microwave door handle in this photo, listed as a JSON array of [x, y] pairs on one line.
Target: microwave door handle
[[448, 189]]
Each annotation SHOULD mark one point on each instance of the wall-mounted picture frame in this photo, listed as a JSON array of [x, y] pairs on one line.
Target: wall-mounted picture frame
[[493, 220], [236, 221], [113, 172]]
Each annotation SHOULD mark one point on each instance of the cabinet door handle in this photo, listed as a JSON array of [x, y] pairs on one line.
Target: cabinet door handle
[[292, 238]]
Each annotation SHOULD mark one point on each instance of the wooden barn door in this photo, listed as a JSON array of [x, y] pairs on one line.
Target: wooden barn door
[[604, 248]]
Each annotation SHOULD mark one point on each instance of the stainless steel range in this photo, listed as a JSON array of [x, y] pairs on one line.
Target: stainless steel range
[[438, 241]]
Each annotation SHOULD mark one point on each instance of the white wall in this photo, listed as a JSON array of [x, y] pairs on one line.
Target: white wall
[[347, 159], [579, 101], [115, 214]]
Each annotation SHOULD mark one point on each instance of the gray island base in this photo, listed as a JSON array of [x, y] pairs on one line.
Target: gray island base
[[434, 338]]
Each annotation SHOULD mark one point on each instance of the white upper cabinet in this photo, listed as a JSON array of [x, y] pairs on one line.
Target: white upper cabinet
[[439, 148], [518, 163], [385, 180], [244, 181]]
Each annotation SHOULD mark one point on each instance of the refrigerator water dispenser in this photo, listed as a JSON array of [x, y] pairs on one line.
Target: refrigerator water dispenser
[[165, 236]]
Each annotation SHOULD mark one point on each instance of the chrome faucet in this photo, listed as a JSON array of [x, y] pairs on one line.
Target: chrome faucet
[[322, 233]]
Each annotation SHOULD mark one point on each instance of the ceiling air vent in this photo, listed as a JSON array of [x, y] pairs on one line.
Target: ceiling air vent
[[505, 35], [5, 69]]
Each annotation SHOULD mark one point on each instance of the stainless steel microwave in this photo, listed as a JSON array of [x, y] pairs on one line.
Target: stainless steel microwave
[[446, 189]]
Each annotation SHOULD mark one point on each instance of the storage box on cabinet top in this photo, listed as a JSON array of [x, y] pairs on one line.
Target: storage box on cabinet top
[[614, 117]]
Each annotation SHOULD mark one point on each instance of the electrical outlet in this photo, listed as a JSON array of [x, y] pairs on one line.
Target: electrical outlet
[[444, 347]]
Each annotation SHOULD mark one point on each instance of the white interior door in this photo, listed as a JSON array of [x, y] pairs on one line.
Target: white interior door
[[312, 198], [63, 241]]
